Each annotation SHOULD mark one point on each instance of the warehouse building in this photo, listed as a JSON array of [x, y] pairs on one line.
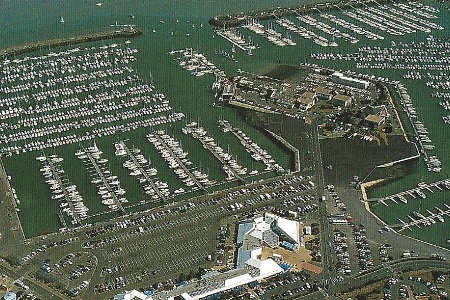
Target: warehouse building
[[342, 100], [340, 78]]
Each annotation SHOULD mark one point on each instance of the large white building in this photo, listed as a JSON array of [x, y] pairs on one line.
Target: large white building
[[340, 78], [287, 229], [267, 230], [132, 295]]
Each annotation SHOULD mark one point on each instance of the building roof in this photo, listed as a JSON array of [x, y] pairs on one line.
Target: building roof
[[259, 227], [307, 98], [266, 268], [374, 119], [380, 110], [237, 281], [344, 98], [186, 296], [347, 78], [10, 296], [242, 230], [252, 262], [288, 227], [242, 256], [132, 295], [323, 91], [250, 266], [255, 253], [269, 267]]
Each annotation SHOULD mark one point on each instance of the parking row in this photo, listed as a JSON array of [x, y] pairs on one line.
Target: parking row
[[130, 248], [140, 276], [287, 191], [150, 229], [362, 245], [219, 198], [152, 257], [44, 247], [340, 246], [336, 199]]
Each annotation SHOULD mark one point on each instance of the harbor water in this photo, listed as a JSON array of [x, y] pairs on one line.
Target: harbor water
[[173, 25]]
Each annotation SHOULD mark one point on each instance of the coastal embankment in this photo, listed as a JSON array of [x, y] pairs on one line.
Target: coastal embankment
[[124, 32], [228, 21]]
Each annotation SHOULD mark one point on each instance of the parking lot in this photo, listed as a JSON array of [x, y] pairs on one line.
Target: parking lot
[[158, 245]]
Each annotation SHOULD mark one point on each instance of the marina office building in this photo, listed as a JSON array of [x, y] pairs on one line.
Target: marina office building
[[340, 78]]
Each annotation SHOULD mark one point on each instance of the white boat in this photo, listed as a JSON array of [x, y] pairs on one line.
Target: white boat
[[179, 191]]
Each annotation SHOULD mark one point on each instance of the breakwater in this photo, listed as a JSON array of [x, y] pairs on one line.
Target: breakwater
[[124, 32], [228, 21]]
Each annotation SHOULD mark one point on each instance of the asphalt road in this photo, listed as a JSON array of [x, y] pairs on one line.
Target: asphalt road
[[325, 233], [40, 289]]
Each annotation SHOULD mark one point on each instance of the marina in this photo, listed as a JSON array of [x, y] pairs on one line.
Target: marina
[[230, 165], [352, 27], [311, 22], [326, 24], [279, 12], [126, 32], [414, 193], [128, 175], [269, 33], [171, 151], [196, 63], [303, 32], [80, 95], [417, 219], [416, 58], [421, 133], [90, 107], [254, 149], [141, 168], [236, 39], [107, 184], [70, 201]]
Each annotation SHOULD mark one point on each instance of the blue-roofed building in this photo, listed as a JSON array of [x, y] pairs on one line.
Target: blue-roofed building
[[242, 230], [10, 296], [242, 257], [289, 246]]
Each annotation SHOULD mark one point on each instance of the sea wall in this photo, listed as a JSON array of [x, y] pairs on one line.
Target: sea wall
[[125, 32], [228, 21]]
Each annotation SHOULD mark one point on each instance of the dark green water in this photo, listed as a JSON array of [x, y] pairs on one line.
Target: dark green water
[[22, 22]]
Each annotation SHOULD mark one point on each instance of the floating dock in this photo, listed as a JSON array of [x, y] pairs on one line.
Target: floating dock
[[180, 163], [419, 220], [57, 177], [143, 172], [414, 192], [236, 41], [104, 180]]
